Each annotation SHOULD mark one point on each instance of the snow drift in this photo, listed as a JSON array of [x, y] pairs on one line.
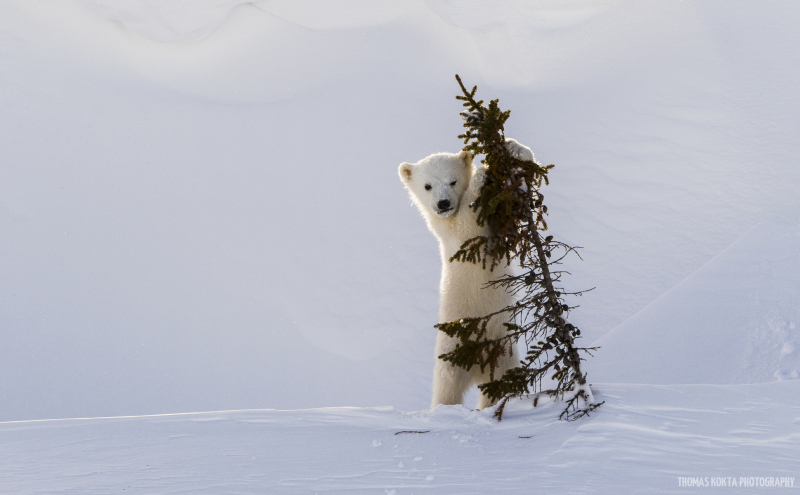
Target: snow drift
[[732, 321], [216, 222]]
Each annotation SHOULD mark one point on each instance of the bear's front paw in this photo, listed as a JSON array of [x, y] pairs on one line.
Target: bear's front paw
[[478, 179], [519, 150]]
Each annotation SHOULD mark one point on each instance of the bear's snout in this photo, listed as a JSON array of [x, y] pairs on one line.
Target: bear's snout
[[443, 204]]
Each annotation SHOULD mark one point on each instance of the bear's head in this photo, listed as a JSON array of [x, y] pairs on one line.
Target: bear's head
[[436, 183]]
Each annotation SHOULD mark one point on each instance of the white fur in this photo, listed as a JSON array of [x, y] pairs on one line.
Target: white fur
[[519, 150], [462, 291]]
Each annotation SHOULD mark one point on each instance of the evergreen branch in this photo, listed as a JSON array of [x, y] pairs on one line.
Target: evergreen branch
[[511, 205]]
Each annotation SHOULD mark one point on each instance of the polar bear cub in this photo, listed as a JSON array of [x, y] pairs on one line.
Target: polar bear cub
[[442, 186]]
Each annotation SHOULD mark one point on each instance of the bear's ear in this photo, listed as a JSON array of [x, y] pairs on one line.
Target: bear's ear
[[405, 172], [466, 157]]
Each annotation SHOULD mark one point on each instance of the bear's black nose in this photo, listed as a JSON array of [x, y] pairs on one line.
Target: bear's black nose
[[443, 204]]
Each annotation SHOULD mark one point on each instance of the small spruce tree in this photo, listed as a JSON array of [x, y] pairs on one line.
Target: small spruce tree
[[511, 204]]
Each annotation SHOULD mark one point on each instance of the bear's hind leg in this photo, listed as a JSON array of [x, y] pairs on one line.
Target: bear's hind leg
[[505, 364], [449, 384], [483, 401]]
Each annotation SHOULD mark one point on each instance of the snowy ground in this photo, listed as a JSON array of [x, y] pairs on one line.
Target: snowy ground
[[200, 210], [643, 440]]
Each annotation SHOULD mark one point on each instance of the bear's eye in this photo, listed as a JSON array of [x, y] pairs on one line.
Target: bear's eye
[[427, 187], [453, 183]]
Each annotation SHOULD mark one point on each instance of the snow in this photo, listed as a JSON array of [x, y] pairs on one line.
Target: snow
[[642, 441], [199, 211], [176, 20], [749, 295]]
